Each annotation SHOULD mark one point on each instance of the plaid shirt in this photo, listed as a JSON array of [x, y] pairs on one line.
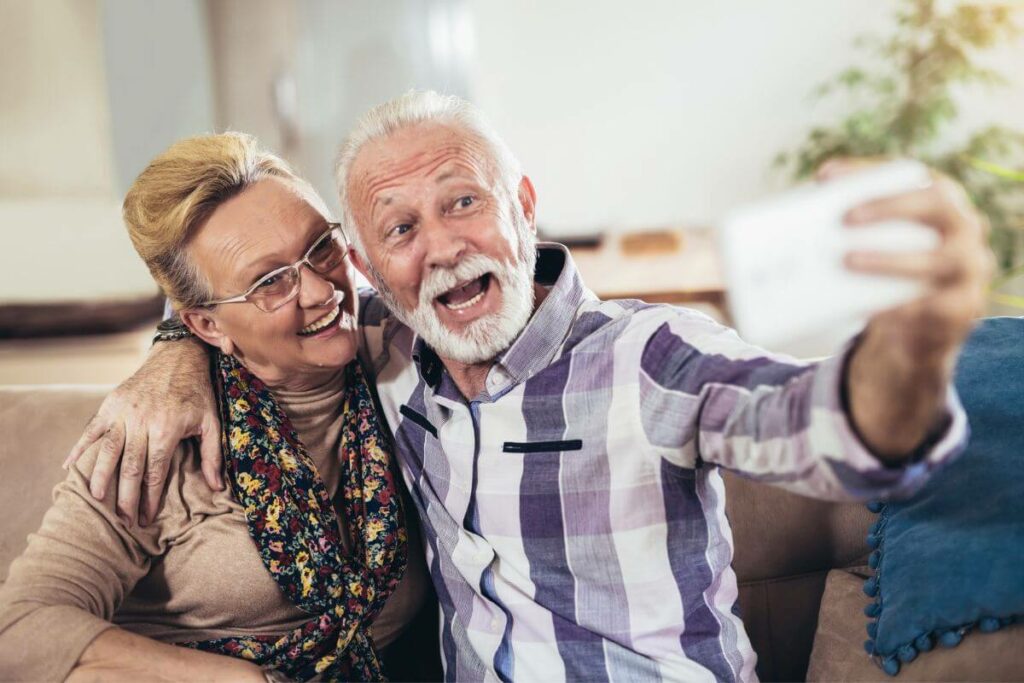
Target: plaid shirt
[[574, 512]]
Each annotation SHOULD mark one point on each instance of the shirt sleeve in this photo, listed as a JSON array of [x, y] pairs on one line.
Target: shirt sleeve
[[706, 396], [62, 592]]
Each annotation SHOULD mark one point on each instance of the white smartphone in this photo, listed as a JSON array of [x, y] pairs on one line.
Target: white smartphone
[[783, 258]]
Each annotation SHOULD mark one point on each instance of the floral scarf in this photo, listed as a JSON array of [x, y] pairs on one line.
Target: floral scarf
[[292, 520]]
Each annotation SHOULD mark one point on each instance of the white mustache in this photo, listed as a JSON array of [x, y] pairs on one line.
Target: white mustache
[[470, 268]]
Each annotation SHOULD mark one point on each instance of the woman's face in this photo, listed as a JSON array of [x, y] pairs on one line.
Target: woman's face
[[269, 225]]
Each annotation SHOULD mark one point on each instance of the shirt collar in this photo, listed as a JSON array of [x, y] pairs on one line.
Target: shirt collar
[[537, 344]]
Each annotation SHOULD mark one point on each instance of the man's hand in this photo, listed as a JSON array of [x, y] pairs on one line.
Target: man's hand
[[899, 372], [168, 399]]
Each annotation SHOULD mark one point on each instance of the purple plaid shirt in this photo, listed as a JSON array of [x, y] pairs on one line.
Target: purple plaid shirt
[[574, 513]]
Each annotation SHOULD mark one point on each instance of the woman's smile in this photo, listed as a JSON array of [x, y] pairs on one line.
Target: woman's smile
[[322, 326]]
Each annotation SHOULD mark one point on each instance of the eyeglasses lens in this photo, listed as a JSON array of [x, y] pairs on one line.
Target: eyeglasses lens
[[277, 290], [328, 253]]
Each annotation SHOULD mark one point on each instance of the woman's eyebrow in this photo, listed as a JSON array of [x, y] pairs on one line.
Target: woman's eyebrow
[[268, 262]]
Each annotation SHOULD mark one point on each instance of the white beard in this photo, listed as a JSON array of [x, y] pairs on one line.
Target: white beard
[[485, 338]]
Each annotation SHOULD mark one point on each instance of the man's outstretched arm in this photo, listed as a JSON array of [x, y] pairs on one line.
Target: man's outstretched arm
[[870, 422], [898, 375], [168, 399]]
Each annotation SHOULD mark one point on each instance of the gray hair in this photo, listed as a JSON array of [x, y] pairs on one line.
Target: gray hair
[[412, 108]]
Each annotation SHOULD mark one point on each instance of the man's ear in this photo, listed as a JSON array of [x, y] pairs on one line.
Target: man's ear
[[202, 324], [357, 260], [528, 200]]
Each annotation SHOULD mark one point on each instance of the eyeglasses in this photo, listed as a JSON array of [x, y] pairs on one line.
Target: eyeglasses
[[278, 287]]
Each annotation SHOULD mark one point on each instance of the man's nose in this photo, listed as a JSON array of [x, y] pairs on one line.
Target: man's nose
[[314, 289], [444, 245]]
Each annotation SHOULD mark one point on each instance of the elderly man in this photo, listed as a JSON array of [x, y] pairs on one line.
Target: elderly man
[[564, 452]]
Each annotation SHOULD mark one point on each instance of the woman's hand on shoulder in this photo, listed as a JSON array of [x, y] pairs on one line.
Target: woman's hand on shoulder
[[139, 425]]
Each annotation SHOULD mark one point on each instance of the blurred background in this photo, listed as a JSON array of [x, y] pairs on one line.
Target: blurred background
[[640, 124]]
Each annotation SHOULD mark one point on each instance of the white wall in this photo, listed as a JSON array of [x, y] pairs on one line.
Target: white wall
[[55, 137], [157, 60], [328, 62], [658, 112], [91, 91]]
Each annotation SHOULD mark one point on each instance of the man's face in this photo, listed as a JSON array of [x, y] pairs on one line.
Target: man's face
[[450, 249]]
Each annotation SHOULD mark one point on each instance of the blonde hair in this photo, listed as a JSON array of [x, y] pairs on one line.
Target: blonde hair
[[175, 194]]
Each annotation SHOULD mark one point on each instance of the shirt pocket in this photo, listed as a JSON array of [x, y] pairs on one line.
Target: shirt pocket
[[558, 446]]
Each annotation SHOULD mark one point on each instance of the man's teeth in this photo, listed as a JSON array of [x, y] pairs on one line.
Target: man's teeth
[[455, 299], [467, 303], [323, 322]]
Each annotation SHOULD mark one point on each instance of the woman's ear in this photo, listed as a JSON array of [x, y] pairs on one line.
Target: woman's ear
[[204, 325]]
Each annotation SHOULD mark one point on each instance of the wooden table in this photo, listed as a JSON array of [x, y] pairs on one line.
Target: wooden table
[[689, 274]]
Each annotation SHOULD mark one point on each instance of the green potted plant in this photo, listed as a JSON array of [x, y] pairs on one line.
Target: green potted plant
[[902, 103]]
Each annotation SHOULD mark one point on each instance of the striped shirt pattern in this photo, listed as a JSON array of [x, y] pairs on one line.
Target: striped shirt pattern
[[574, 512]]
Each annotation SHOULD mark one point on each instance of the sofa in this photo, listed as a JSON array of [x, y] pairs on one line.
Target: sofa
[[790, 552]]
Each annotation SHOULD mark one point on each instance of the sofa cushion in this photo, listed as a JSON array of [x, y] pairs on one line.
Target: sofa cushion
[[950, 560], [779, 534], [785, 544], [40, 425], [838, 653]]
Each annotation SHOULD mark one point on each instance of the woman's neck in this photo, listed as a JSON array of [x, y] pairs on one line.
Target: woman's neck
[[308, 387], [315, 411]]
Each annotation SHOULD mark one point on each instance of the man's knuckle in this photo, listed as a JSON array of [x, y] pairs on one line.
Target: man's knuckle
[[131, 467], [158, 458], [161, 433]]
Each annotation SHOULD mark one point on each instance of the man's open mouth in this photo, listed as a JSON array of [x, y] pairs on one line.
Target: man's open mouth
[[321, 323], [466, 294]]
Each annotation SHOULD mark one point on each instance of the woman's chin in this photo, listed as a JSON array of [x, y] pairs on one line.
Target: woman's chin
[[333, 350]]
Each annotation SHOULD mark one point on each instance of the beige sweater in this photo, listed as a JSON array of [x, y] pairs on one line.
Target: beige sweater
[[193, 574]]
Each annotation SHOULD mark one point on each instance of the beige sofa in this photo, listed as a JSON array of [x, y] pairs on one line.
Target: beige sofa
[[789, 552]]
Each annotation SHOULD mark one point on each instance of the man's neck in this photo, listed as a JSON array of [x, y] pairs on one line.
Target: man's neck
[[471, 378]]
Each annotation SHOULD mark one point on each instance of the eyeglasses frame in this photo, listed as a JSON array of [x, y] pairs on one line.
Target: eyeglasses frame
[[244, 297]]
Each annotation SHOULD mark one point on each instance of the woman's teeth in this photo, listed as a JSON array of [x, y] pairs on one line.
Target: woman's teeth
[[318, 325]]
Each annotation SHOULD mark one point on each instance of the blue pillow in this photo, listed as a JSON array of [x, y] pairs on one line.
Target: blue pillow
[[950, 560]]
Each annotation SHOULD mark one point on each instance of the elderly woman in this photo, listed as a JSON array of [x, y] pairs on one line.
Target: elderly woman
[[303, 564]]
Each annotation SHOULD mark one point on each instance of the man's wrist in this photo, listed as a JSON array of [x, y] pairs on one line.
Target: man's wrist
[[896, 404], [171, 329]]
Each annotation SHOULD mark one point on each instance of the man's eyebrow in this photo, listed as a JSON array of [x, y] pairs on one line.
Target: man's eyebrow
[[453, 172]]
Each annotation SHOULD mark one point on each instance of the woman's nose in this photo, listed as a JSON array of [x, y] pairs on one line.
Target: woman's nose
[[314, 289]]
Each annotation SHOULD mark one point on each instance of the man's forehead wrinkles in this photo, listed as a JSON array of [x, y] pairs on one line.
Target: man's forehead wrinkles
[[419, 166]]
